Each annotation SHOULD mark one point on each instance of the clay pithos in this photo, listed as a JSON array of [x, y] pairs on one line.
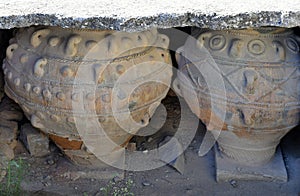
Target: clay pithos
[[63, 76], [247, 86]]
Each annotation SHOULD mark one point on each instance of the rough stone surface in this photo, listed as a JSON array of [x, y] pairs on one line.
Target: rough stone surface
[[228, 169], [138, 15], [36, 142], [10, 111], [6, 154], [1, 72], [6, 151], [8, 132]]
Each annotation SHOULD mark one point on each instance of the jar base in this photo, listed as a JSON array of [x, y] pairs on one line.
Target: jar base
[[251, 157], [228, 169]]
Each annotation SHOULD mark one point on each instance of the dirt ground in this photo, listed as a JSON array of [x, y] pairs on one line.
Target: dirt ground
[[56, 175]]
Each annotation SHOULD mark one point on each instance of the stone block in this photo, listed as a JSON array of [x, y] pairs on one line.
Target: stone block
[[35, 141], [6, 151], [9, 110], [99, 169], [228, 169], [8, 132], [139, 15]]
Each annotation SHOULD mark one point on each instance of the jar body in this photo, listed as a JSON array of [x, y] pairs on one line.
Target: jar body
[[61, 77], [258, 100]]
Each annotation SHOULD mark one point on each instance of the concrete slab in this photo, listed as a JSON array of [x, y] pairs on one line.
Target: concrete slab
[[228, 169], [136, 15]]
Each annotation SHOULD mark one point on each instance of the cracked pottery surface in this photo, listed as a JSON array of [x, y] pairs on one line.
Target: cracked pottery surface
[[138, 15]]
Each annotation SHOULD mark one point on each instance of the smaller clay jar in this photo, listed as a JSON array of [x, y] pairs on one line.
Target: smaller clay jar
[[258, 90], [66, 78]]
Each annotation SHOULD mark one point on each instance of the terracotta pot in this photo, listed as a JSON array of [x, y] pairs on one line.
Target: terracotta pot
[[259, 71], [62, 76]]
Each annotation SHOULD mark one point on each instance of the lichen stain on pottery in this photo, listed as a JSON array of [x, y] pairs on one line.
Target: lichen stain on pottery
[[42, 64], [260, 69]]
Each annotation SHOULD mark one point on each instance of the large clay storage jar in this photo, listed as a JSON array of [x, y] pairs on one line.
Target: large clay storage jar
[[258, 91], [48, 69]]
